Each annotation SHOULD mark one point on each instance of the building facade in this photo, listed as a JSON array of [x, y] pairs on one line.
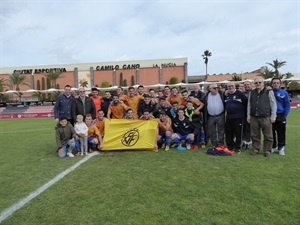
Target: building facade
[[87, 75]]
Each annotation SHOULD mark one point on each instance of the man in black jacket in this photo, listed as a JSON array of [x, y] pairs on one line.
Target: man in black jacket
[[106, 100], [83, 105]]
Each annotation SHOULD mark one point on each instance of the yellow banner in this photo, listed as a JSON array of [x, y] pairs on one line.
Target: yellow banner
[[121, 134]]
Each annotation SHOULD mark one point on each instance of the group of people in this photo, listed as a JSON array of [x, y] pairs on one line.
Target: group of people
[[234, 118]]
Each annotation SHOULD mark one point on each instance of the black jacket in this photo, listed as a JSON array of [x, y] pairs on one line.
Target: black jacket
[[87, 108]]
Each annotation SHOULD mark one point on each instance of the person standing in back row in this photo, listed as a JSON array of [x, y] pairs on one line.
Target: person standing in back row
[[97, 99], [283, 109], [261, 113], [83, 105], [215, 119], [63, 105], [236, 108]]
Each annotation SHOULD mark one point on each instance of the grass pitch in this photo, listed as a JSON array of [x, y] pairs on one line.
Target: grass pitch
[[142, 187]]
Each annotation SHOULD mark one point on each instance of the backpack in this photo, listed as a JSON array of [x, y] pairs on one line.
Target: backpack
[[219, 151]]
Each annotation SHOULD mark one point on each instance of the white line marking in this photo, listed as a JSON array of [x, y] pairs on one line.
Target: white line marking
[[9, 211]]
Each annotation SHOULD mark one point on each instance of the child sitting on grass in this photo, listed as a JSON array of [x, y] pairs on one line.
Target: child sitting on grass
[[65, 138]]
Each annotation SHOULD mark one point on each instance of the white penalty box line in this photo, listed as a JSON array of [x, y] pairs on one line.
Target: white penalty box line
[[9, 211]]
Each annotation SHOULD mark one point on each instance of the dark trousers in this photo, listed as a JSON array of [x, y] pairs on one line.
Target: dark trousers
[[234, 129], [246, 131], [279, 130]]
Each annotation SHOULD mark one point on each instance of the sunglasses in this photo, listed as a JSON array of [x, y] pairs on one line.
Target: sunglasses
[[214, 88], [257, 82]]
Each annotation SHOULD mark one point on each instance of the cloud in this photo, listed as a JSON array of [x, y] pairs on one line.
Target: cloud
[[241, 35]]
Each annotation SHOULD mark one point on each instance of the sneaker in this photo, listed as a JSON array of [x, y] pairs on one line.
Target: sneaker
[[188, 146], [70, 154], [267, 154], [163, 146], [167, 148], [78, 154], [91, 150], [86, 153], [248, 144], [174, 145], [273, 150], [81, 153], [238, 151], [180, 148], [202, 145], [155, 150], [244, 145], [281, 150]]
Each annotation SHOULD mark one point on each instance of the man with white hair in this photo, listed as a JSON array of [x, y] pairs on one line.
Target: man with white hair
[[235, 106], [214, 114], [261, 113], [83, 105]]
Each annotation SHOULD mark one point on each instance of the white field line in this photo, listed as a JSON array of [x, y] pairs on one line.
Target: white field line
[[9, 211]]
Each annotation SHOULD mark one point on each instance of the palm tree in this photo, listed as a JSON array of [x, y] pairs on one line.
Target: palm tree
[[286, 76], [18, 80], [52, 77], [3, 83], [267, 73], [236, 77], [205, 56], [276, 65]]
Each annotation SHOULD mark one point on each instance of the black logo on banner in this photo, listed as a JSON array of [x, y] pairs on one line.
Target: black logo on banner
[[131, 137]]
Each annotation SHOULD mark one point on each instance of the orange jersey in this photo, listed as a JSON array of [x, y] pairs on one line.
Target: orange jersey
[[97, 102], [166, 125], [195, 101], [100, 125], [132, 102], [93, 131], [117, 111], [173, 98]]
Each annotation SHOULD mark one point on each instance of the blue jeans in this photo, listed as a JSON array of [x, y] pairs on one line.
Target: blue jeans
[[66, 148]]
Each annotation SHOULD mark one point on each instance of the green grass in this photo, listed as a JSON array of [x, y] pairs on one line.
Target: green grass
[[141, 187]]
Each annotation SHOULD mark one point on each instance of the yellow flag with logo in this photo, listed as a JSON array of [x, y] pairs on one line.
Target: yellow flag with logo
[[121, 134]]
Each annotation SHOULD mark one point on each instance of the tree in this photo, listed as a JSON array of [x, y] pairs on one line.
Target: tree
[[104, 84], [132, 80], [236, 77], [3, 83], [267, 73], [286, 76], [121, 80], [18, 80], [52, 77], [174, 80], [276, 65], [205, 56], [294, 85]]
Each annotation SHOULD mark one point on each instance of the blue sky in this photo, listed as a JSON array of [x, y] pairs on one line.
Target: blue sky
[[242, 35]]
